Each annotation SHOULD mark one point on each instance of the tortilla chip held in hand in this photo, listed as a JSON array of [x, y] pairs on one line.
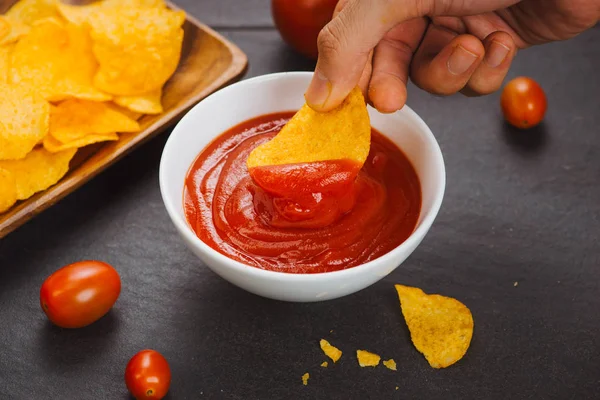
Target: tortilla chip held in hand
[[440, 327], [310, 136]]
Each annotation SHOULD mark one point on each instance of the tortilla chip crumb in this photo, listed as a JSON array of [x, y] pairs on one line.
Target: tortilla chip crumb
[[390, 364], [330, 351], [396, 387], [324, 364], [305, 379], [366, 359]]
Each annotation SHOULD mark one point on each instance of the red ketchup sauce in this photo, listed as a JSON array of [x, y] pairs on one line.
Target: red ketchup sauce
[[300, 218]]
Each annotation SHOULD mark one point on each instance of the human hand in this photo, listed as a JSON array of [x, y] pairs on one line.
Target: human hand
[[445, 46]]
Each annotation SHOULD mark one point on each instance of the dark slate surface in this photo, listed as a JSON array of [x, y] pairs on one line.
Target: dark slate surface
[[230, 13], [520, 207]]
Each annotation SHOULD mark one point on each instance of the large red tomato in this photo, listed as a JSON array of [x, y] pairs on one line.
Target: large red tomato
[[300, 21], [148, 375], [80, 293], [523, 102]]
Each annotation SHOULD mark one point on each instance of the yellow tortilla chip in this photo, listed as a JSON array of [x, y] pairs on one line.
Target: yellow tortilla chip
[[138, 49], [57, 60], [38, 171], [390, 364], [55, 146], [24, 118], [73, 119], [125, 111], [330, 351], [137, 3], [5, 53], [149, 103], [367, 359], [440, 327], [343, 133], [324, 364], [79, 14], [131, 114], [24, 13], [8, 190], [4, 28], [305, 378]]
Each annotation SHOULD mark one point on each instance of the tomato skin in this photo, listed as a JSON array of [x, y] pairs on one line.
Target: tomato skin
[[79, 294], [523, 102], [148, 375], [300, 21]]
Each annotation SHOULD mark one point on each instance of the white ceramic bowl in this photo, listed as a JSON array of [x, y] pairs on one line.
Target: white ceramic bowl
[[285, 92]]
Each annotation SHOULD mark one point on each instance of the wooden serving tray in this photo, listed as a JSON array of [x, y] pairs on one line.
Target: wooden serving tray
[[208, 62]]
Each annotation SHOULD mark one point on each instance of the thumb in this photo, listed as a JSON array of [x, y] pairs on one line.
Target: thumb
[[345, 43]]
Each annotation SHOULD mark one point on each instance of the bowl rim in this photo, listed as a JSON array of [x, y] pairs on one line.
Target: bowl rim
[[184, 229]]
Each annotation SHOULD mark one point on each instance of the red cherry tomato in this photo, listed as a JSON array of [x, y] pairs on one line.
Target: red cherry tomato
[[80, 293], [148, 375], [300, 21], [523, 102]]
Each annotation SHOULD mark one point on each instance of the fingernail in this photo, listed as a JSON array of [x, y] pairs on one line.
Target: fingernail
[[496, 54], [318, 91], [460, 60]]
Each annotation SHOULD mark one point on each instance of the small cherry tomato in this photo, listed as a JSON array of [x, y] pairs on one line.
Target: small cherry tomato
[[80, 293], [148, 375], [300, 21], [523, 102]]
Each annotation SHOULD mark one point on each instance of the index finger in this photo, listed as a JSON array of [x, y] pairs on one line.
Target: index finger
[[344, 47]]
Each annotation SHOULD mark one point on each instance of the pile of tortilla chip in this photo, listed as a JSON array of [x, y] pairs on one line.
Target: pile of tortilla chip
[[75, 75]]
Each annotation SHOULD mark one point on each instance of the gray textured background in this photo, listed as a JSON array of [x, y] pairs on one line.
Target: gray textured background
[[519, 207]]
